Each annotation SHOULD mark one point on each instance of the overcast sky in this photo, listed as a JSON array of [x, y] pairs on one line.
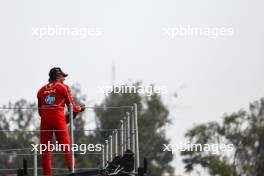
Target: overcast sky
[[212, 76]]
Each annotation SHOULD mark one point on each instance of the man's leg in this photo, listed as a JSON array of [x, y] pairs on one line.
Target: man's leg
[[63, 138], [45, 138]]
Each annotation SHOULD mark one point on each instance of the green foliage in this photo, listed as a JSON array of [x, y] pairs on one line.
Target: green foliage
[[153, 116], [17, 120], [244, 130], [81, 136]]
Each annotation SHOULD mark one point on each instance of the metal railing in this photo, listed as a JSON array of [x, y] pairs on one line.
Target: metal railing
[[121, 139]]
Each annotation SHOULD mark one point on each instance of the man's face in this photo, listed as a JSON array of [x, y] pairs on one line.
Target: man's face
[[60, 79]]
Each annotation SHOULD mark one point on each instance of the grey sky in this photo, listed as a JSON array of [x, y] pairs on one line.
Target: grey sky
[[217, 75]]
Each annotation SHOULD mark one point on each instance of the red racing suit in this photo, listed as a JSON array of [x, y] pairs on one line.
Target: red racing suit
[[52, 99]]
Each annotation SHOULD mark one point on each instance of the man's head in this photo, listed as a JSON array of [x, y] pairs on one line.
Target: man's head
[[56, 74]]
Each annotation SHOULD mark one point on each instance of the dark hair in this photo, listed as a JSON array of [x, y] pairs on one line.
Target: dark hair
[[53, 78]]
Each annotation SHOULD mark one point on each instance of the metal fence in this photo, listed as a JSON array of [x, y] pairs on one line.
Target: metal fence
[[121, 139]]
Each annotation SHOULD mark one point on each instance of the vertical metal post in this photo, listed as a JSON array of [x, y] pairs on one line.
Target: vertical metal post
[[125, 134], [106, 151], [35, 162], [103, 156], [128, 130], [113, 137], [133, 134], [116, 142], [111, 147], [136, 140], [72, 139], [122, 137]]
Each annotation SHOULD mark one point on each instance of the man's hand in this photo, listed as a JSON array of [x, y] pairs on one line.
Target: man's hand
[[82, 106]]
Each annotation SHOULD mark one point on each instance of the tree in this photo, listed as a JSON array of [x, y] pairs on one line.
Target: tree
[[245, 130], [152, 117], [152, 113], [12, 122]]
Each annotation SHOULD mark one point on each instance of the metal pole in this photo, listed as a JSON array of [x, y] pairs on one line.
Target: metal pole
[[136, 130], [133, 136], [125, 134], [122, 137], [103, 156], [128, 131], [111, 147], [133, 131], [116, 142], [106, 150], [113, 137], [72, 139], [35, 163]]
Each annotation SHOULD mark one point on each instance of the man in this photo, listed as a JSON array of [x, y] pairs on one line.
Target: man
[[52, 99]]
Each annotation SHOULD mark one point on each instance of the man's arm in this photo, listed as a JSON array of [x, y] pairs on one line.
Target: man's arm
[[76, 108], [69, 100], [39, 104]]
